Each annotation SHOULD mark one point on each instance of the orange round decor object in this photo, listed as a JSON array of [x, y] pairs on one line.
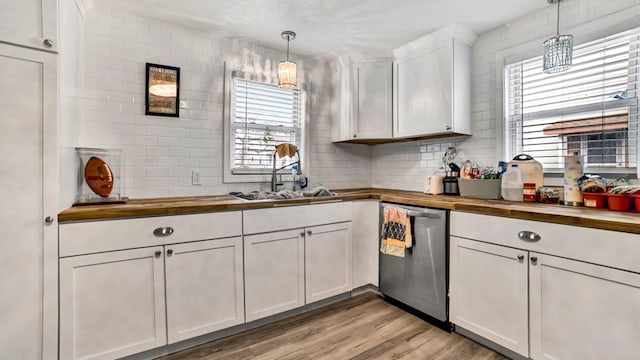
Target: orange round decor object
[[98, 176]]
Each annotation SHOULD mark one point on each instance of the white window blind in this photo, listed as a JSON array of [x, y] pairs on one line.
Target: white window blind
[[262, 116], [589, 110]]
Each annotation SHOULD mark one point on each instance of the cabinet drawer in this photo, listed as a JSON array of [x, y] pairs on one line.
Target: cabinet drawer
[[290, 217], [604, 247], [109, 235]]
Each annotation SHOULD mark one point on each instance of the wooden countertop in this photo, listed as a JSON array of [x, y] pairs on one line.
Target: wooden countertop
[[579, 216]]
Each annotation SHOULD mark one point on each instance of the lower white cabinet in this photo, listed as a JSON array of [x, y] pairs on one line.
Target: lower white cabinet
[[274, 272], [582, 311], [204, 287], [327, 261], [488, 292], [519, 294], [112, 304]]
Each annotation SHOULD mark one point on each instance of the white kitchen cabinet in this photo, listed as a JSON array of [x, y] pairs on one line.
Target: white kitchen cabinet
[[583, 286], [365, 243], [130, 285], [582, 311], [204, 286], [488, 292], [274, 273], [432, 85], [112, 304], [327, 261], [371, 95], [28, 179], [30, 23]]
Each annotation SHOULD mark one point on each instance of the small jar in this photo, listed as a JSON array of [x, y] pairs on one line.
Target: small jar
[[529, 192]]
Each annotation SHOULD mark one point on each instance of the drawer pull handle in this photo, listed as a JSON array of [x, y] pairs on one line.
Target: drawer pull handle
[[529, 236], [163, 231]]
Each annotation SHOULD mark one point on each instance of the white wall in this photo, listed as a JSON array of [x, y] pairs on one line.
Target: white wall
[[159, 152], [404, 165], [71, 77]]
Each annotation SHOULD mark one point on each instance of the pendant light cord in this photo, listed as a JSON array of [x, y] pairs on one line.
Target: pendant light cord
[[557, 21], [288, 37]]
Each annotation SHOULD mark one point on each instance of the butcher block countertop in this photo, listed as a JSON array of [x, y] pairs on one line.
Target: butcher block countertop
[[593, 218]]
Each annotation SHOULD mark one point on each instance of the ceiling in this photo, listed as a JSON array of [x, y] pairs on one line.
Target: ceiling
[[329, 28]]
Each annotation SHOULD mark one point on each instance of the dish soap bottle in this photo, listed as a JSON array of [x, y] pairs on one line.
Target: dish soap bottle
[[295, 178], [512, 184]]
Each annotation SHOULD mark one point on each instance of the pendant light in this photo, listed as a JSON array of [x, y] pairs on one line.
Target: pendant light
[[558, 51], [287, 69]]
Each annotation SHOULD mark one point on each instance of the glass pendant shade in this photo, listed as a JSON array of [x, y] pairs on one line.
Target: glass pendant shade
[[558, 54], [287, 75]]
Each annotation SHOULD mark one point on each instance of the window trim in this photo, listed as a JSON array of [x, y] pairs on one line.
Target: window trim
[[584, 32], [227, 175]]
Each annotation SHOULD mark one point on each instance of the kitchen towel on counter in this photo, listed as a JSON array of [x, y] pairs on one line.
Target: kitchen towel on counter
[[396, 232]]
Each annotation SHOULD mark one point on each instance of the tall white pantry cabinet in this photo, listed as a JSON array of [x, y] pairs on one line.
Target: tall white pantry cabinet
[[28, 179]]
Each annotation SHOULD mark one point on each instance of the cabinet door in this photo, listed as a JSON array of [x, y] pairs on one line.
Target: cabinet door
[[327, 261], [582, 311], [372, 118], [488, 287], [28, 179], [112, 304], [274, 273], [423, 89], [204, 287], [29, 23]]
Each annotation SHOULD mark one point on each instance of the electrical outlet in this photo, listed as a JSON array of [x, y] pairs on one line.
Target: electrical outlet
[[195, 177]]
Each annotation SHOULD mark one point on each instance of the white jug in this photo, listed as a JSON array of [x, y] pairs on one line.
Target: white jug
[[511, 186], [434, 184]]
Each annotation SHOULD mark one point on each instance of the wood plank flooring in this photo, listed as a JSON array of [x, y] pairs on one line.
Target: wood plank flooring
[[362, 327]]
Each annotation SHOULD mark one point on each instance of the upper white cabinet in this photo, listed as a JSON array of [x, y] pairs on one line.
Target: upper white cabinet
[[31, 23], [371, 100], [28, 178], [432, 85]]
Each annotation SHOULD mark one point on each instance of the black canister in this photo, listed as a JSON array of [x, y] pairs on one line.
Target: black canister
[[451, 180]]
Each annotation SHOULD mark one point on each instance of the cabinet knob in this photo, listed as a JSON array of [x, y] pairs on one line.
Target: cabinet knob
[[163, 231], [520, 257], [169, 252], [534, 260], [158, 253], [309, 232], [49, 220], [448, 128], [529, 236], [48, 43], [355, 135], [302, 233]]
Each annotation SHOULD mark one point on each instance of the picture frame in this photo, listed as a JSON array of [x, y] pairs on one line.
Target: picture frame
[[162, 90]]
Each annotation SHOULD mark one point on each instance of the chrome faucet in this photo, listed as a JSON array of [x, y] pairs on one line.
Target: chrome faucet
[[274, 184]]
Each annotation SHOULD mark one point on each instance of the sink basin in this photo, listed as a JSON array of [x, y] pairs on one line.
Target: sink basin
[[282, 194]]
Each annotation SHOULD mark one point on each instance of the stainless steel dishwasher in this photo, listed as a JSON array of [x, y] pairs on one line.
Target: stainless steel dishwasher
[[419, 280]]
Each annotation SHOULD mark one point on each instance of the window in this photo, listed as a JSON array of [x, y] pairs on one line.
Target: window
[[262, 115], [589, 110]]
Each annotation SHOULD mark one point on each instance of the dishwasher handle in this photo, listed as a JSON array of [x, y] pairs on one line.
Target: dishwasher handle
[[423, 214]]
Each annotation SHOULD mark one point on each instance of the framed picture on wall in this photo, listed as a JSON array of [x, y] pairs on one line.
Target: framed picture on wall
[[162, 90]]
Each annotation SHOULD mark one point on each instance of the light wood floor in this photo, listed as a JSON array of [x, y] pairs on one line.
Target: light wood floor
[[362, 327]]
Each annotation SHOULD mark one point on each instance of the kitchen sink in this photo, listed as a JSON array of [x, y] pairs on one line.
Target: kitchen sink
[[283, 194]]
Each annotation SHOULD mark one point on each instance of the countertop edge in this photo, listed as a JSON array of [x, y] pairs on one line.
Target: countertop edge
[[583, 217]]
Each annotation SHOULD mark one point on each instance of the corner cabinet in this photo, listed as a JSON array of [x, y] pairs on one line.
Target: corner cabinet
[[132, 285], [30, 23], [540, 290], [432, 86]]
